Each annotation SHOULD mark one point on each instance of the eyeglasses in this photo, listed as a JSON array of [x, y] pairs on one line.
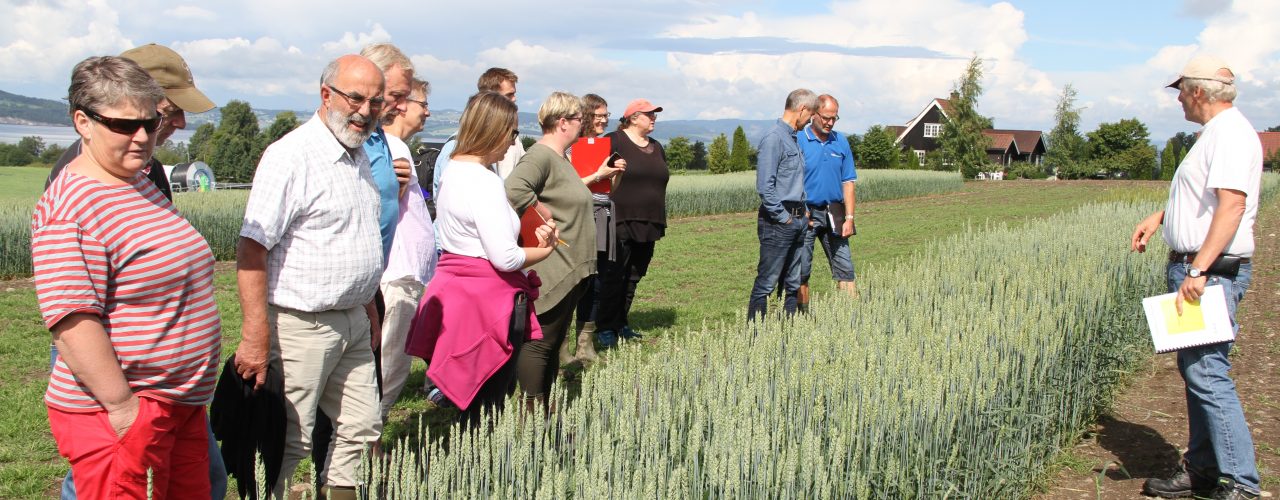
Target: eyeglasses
[[422, 103], [831, 118], [358, 101], [515, 133], [125, 126], [600, 116], [572, 118]]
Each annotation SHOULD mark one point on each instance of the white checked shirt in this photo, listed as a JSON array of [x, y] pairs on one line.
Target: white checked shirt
[[314, 206]]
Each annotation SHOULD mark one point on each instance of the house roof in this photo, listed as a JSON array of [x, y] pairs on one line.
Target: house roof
[[943, 105], [1270, 143], [999, 141], [1026, 139], [896, 130]]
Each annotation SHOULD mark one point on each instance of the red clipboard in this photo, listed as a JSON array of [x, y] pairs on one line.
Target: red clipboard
[[588, 154], [529, 222]]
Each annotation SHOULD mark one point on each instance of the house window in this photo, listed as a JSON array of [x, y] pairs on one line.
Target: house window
[[920, 155], [932, 129]]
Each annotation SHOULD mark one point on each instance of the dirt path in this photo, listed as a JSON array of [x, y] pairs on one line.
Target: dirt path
[[1148, 426]]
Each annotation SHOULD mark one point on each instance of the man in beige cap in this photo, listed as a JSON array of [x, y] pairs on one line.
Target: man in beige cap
[[1208, 225], [181, 96], [168, 69]]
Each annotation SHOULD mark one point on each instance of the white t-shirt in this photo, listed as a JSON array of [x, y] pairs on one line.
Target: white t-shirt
[[413, 250], [1228, 155], [474, 218]]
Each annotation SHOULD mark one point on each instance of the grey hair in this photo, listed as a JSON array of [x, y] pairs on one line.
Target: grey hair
[[330, 74], [385, 55], [801, 99], [420, 85], [1214, 90], [106, 81]]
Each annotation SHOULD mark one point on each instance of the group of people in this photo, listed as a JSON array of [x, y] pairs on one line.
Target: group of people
[[343, 274]]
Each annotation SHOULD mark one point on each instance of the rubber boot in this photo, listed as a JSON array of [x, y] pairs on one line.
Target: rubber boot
[[586, 342], [566, 351]]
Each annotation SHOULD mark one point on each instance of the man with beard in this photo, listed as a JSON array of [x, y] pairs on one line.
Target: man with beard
[[308, 264]]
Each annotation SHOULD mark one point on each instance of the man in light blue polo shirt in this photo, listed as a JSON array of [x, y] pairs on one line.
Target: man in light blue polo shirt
[[829, 177], [782, 218]]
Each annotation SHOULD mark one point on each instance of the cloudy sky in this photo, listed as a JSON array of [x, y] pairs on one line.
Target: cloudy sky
[[699, 59]]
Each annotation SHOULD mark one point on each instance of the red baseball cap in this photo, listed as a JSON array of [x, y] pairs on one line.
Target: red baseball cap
[[640, 106]]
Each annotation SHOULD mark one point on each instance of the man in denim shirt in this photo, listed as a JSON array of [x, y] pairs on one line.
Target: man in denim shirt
[[1208, 225], [782, 218]]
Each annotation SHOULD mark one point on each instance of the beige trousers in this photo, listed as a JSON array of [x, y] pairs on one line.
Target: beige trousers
[[327, 364], [401, 298]]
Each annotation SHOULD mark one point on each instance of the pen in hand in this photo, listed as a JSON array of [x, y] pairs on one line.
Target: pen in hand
[[545, 221]]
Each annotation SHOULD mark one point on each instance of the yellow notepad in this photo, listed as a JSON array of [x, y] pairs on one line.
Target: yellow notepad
[[1203, 322]]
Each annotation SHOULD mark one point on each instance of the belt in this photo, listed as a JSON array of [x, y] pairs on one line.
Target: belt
[[1186, 258]]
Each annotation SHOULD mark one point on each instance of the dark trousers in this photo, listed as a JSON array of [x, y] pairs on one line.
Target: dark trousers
[[539, 359], [618, 280], [589, 304], [780, 246]]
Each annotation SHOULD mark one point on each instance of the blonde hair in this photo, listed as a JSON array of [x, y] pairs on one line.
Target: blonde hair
[[558, 105], [486, 125]]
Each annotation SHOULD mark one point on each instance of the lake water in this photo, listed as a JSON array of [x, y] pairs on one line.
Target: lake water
[[64, 136]]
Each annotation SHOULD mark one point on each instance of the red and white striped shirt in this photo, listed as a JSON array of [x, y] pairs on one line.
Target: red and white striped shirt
[[125, 254]]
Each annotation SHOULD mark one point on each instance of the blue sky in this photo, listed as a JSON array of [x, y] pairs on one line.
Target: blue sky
[[699, 59]]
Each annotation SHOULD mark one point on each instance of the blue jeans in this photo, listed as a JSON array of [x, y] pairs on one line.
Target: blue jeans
[[780, 246], [217, 470], [836, 247], [1219, 444]]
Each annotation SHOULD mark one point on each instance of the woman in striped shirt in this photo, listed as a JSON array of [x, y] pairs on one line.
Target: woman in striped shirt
[[125, 285]]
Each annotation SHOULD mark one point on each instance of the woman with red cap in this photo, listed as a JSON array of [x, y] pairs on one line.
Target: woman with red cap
[[640, 218]]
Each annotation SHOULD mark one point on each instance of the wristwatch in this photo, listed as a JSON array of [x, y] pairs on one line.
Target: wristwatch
[[1194, 273], [848, 217]]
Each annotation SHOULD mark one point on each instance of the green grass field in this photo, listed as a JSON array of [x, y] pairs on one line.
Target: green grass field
[[702, 272]]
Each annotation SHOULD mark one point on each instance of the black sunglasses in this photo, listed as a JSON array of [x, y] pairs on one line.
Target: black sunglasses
[[125, 126]]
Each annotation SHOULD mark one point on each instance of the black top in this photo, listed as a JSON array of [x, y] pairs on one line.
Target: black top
[[155, 170], [640, 197]]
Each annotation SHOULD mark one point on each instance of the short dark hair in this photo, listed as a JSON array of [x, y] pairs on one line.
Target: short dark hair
[[492, 79]]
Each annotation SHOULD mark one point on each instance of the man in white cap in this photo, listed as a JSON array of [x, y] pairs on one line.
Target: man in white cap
[[1208, 224]]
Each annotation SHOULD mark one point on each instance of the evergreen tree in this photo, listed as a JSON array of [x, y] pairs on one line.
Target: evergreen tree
[[877, 149], [1066, 145], [740, 158], [679, 153], [200, 142], [1170, 156], [718, 155], [962, 142], [283, 124], [699, 161], [230, 149]]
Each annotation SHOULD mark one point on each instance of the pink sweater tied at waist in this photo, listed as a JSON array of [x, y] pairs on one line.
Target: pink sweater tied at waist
[[461, 327]]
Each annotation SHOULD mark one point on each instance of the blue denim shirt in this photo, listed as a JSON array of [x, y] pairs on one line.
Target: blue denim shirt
[[780, 171], [384, 175], [827, 166]]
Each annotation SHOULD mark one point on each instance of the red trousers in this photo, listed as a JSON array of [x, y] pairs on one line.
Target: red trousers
[[168, 439]]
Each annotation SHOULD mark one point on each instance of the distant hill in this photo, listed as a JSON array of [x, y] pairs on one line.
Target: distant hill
[[22, 110], [16, 109]]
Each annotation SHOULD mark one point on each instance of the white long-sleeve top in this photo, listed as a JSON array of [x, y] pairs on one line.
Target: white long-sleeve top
[[473, 217]]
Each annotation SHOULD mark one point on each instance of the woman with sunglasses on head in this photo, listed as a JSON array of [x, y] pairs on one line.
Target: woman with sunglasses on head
[[640, 218], [596, 117], [544, 179], [477, 311], [125, 285]]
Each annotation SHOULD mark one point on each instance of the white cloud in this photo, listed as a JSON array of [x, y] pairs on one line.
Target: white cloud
[[42, 41], [191, 13], [352, 43]]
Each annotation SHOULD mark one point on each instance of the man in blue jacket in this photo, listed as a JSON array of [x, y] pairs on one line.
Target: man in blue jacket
[[783, 218]]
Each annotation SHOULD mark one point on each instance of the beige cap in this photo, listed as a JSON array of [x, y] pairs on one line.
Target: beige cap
[[171, 72], [1204, 67]]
